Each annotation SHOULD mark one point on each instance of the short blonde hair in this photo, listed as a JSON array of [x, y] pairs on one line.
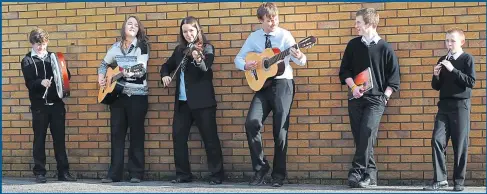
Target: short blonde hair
[[268, 10], [38, 35], [457, 30], [369, 15]]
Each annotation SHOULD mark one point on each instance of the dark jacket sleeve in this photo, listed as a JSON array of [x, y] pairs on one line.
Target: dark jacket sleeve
[[28, 70], [346, 66], [435, 82], [209, 53], [170, 65], [466, 78], [394, 78]]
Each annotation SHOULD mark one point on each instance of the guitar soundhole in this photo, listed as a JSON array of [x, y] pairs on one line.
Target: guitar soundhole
[[266, 64]]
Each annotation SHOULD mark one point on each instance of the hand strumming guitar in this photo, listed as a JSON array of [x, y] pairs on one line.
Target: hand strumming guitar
[[101, 80], [250, 65]]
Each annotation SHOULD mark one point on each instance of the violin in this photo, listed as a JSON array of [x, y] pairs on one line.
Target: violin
[[192, 47]]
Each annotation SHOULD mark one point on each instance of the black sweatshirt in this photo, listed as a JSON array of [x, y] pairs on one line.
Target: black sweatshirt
[[379, 57], [34, 78], [458, 83]]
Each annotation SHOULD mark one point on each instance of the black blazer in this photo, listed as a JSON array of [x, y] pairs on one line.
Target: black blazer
[[197, 78]]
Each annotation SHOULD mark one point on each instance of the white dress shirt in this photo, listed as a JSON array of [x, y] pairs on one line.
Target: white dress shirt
[[455, 55], [280, 38], [374, 39]]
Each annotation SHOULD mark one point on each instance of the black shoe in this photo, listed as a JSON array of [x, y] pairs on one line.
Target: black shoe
[[353, 184], [66, 177], [41, 179], [435, 186], [258, 178], [277, 182], [353, 181], [458, 188], [109, 180], [215, 181], [106, 180], [364, 183], [135, 180], [182, 180]]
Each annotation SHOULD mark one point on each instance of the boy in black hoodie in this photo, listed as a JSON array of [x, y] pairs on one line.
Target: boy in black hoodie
[[37, 71], [454, 77]]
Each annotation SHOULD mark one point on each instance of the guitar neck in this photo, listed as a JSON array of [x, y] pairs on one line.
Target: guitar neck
[[119, 75], [281, 55]]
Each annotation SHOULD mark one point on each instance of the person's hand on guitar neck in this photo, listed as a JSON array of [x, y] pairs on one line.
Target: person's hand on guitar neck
[[296, 53], [250, 65], [127, 73]]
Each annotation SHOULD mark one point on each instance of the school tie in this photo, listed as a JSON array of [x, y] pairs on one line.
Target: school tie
[[267, 41], [450, 58]]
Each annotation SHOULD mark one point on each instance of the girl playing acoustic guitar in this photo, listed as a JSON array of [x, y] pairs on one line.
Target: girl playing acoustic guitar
[[130, 108]]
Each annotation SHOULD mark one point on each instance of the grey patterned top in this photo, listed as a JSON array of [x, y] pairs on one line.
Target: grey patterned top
[[132, 56]]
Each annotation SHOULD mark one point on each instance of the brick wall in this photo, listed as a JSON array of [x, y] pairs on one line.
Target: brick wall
[[320, 142]]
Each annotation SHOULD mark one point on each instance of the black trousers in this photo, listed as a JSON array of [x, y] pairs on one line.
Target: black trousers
[[128, 112], [278, 98], [52, 116], [205, 119], [452, 120], [365, 114]]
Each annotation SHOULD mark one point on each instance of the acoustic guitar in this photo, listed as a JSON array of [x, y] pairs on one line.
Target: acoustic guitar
[[111, 90], [270, 64]]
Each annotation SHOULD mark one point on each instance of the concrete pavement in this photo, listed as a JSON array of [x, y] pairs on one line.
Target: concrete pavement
[[27, 185]]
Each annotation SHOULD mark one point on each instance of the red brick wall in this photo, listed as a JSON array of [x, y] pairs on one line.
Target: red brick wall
[[320, 142]]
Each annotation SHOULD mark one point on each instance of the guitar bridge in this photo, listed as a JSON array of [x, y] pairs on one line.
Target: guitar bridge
[[254, 73]]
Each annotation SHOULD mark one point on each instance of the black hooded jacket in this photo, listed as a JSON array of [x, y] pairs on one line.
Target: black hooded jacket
[[35, 70]]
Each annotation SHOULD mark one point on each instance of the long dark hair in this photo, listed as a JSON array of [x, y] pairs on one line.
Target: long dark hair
[[142, 40], [200, 37]]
